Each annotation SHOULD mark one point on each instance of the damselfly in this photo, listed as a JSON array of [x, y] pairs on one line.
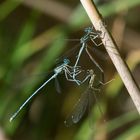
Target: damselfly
[[90, 34], [84, 101], [68, 71]]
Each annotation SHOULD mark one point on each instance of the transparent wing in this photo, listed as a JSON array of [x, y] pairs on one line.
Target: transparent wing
[[100, 53], [97, 101], [57, 85], [69, 53], [28, 80], [78, 110], [101, 71], [90, 105], [93, 98]]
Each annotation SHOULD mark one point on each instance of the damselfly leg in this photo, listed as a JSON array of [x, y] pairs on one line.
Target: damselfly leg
[[96, 64]]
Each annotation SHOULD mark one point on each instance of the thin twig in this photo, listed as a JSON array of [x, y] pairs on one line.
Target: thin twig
[[113, 52]]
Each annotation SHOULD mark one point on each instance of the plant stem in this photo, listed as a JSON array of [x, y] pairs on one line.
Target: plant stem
[[113, 52]]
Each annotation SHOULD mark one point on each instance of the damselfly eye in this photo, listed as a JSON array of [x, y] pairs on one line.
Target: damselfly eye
[[88, 29], [66, 61]]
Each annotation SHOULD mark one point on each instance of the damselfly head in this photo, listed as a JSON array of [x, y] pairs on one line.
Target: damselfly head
[[66, 61], [88, 30], [91, 71]]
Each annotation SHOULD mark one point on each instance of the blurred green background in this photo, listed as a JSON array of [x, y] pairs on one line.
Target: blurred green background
[[34, 35]]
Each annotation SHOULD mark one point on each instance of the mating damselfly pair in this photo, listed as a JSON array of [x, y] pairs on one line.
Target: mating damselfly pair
[[71, 73]]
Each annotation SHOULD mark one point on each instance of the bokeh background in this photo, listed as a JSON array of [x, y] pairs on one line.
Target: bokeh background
[[35, 35]]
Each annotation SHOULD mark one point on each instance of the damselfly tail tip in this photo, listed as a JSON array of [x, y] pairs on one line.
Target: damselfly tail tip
[[11, 119]]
